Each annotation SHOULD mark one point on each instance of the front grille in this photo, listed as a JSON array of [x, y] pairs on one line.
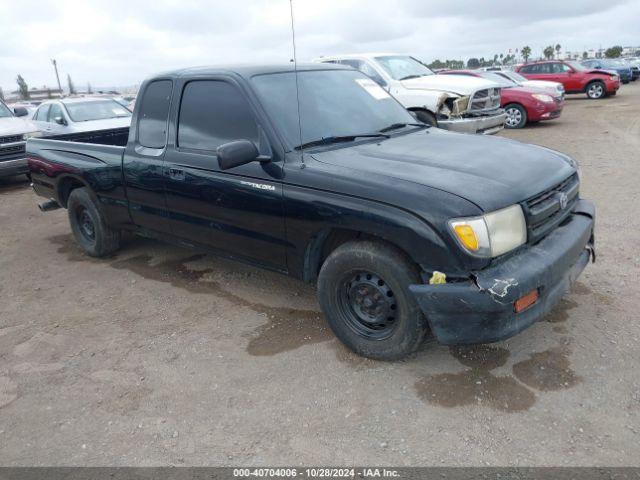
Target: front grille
[[544, 211], [12, 152], [487, 99], [11, 139]]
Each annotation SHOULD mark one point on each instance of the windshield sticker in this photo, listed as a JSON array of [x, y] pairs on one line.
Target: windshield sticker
[[119, 111], [372, 88]]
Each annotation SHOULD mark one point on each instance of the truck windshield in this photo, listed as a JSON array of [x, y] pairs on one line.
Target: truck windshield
[[403, 67], [4, 111], [96, 110], [333, 103]]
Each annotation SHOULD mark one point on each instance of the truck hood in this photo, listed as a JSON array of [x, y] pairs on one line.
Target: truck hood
[[16, 126], [458, 84], [491, 172]]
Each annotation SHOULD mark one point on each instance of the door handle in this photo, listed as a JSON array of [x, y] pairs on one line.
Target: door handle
[[176, 174]]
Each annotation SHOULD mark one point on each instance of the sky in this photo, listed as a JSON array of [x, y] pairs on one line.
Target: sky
[[120, 42]]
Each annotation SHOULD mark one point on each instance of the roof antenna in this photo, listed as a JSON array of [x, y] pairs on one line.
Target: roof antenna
[[295, 70]]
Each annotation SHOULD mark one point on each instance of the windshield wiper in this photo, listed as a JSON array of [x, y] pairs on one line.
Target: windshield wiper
[[396, 126], [338, 139], [409, 77]]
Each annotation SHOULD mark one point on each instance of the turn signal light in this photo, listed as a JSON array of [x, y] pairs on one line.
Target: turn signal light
[[526, 301], [467, 236]]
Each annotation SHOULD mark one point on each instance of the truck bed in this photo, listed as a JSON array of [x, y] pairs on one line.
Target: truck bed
[[115, 136], [90, 158]]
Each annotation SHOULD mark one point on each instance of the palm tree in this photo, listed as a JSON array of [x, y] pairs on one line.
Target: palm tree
[[558, 48], [526, 53], [548, 52]]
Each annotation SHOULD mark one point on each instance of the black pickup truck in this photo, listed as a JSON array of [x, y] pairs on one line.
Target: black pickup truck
[[320, 174]]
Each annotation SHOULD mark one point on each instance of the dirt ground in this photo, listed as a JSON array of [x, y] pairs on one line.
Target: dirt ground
[[163, 356]]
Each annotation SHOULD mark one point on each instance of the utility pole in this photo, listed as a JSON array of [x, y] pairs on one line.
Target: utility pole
[[55, 66]]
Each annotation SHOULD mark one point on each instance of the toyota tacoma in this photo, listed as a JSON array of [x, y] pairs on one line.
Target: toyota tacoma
[[406, 230]]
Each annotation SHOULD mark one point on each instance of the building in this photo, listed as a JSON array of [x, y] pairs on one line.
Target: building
[[36, 94]]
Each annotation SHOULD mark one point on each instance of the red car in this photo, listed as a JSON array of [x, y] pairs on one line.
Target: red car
[[521, 104], [575, 77]]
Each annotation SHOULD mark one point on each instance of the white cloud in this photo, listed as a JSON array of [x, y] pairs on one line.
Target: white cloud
[[119, 42]]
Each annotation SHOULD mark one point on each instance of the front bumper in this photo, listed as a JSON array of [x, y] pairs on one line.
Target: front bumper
[[487, 125], [481, 310], [546, 110], [9, 168]]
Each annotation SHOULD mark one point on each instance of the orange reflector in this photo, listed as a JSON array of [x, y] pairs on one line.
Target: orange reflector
[[525, 302]]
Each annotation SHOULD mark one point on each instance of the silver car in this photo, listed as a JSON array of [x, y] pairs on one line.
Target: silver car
[[78, 115]]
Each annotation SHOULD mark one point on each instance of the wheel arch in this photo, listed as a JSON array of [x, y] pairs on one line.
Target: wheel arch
[[329, 239], [66, 184]]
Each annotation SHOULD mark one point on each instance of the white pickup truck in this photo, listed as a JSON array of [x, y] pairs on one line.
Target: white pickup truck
[[14, 133], [462, 104]]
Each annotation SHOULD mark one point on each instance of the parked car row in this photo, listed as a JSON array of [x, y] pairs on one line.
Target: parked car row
[[522, 104], [469, 101]]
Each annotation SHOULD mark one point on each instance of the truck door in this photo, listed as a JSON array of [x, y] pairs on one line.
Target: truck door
[[143, 160], [238, 211]]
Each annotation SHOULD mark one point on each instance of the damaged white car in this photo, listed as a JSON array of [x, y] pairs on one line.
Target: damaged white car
[[461, 104]]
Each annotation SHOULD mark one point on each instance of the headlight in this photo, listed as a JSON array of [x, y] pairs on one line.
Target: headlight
[[492, 234], [543, 97], [29, 135], [460, 105], [613, 77]]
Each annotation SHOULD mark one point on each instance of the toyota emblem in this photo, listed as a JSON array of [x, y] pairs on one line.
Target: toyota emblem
[[563, 200]]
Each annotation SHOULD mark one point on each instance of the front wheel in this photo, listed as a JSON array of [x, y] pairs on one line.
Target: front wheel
[[596, 90], [89, 226], [363, 292], [516, 116]]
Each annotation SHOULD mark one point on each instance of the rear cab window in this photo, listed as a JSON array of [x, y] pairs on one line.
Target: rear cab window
[[154, 114]]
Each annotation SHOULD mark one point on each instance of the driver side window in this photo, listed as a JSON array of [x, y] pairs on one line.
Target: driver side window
[[560, 68], [43, 112], [55, 112]]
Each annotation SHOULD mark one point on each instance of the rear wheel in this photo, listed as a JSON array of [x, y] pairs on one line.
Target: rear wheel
[[596, 90], [89, 226], [363, 291], [426, 117], [516, 116]]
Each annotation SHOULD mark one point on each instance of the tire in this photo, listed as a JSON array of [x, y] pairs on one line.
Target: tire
[[426, 117], [596, 90], [89, 226], [516, 116], [363, 292]]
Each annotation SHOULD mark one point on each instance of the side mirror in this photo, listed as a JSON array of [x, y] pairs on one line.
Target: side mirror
[[239, 152], [20, 111], [60, 120]]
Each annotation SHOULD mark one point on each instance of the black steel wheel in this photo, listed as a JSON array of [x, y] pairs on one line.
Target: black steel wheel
[[363, 289], [368, 305], [89, 226]]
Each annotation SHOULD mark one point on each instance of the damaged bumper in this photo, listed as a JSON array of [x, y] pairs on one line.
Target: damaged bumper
[[482, 311], [488, 124]]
